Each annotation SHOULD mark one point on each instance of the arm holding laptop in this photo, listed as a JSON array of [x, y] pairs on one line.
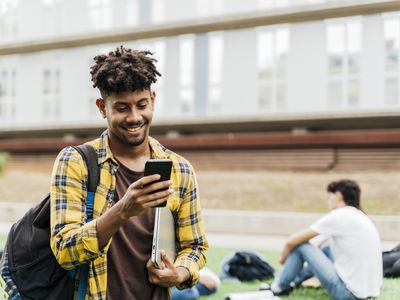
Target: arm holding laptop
[[191, 241]]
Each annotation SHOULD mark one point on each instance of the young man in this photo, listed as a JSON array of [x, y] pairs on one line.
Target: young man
[[117, 243], [356, 272]]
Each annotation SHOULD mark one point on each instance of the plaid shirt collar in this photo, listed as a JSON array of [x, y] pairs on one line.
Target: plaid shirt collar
[[104, 151]]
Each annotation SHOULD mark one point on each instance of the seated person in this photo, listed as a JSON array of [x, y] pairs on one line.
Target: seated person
[[208, 284], [356, 272]]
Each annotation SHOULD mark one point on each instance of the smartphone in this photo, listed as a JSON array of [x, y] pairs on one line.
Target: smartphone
[[162, 167]]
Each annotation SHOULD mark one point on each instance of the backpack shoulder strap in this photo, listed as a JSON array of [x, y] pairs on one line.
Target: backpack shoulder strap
[[91, 159], [90, 156]]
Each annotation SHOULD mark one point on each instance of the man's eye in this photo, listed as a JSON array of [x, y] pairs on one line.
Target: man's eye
[[122, 109]]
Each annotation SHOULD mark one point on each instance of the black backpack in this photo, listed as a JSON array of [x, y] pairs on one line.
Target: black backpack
[[391, 263], [246, 266], [28, 266]]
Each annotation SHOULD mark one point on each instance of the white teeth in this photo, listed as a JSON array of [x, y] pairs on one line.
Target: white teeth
[[133, 129]]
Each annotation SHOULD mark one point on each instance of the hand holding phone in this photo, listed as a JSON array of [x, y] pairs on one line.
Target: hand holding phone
[[162, 167]]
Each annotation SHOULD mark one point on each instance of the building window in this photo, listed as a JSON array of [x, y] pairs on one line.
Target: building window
[[159, 52], [186, 73], [8, 98], [391, 90], [343, 51], [92, 112], [158, 47], [272, 65], [215, 65], [13, 83], [132, 12], [8, 20], [4, 80], [51, 89], [335, 94], [3, 95], [392, 47], [158, 11], [100, 14], [46, 82], [205, 8]]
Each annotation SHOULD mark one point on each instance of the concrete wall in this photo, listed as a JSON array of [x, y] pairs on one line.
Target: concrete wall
[[243, 222], [281, 223]]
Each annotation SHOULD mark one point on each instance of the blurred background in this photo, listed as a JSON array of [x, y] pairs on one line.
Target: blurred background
[[269, 99]]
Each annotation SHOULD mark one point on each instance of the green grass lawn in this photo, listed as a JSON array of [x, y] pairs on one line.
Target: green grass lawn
[[215, 257]]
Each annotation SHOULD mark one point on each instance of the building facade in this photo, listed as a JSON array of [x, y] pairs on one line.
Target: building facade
[[295, 61]]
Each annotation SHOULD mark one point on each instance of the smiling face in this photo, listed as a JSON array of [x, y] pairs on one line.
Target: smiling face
[[129, 116]]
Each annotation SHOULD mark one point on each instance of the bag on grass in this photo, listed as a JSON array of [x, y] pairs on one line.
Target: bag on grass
[[391, 263], [246, 266], [28, 267]]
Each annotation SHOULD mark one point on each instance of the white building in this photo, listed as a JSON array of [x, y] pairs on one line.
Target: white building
[[218, 58]]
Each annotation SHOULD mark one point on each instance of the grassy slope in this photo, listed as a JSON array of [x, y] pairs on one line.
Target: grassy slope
[[242, 190]]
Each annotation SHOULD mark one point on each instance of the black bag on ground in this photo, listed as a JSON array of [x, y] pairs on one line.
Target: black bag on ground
[[391, 262], [247, 266], [33, 269]]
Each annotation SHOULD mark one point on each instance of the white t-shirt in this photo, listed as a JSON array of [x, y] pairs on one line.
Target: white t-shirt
[[356, 249]]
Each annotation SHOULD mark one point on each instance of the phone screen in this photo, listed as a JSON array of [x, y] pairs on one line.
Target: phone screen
[[162, 167]]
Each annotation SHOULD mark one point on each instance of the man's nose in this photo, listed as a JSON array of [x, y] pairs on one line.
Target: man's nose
[[134, 116]]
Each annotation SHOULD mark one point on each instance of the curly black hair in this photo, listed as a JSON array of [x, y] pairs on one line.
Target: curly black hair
[[123, 70]]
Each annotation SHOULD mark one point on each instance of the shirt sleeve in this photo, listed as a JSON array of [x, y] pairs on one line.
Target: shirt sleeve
[[327, 225], [73, 241], [190, 231]]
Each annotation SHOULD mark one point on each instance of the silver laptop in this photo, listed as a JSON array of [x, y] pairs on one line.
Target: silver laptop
[[164, 236]]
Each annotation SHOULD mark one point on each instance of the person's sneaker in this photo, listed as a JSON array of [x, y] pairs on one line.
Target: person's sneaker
[[267, 287], [311, 282]]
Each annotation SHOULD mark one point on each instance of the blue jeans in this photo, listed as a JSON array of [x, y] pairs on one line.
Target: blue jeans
[[320, 265], [306, 272], [191, 294]]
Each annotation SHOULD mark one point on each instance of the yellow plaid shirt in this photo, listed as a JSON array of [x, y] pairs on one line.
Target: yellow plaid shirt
[[75, 242]]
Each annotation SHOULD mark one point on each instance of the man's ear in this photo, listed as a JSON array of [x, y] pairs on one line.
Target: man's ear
[[102, 106], [153, 98]]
